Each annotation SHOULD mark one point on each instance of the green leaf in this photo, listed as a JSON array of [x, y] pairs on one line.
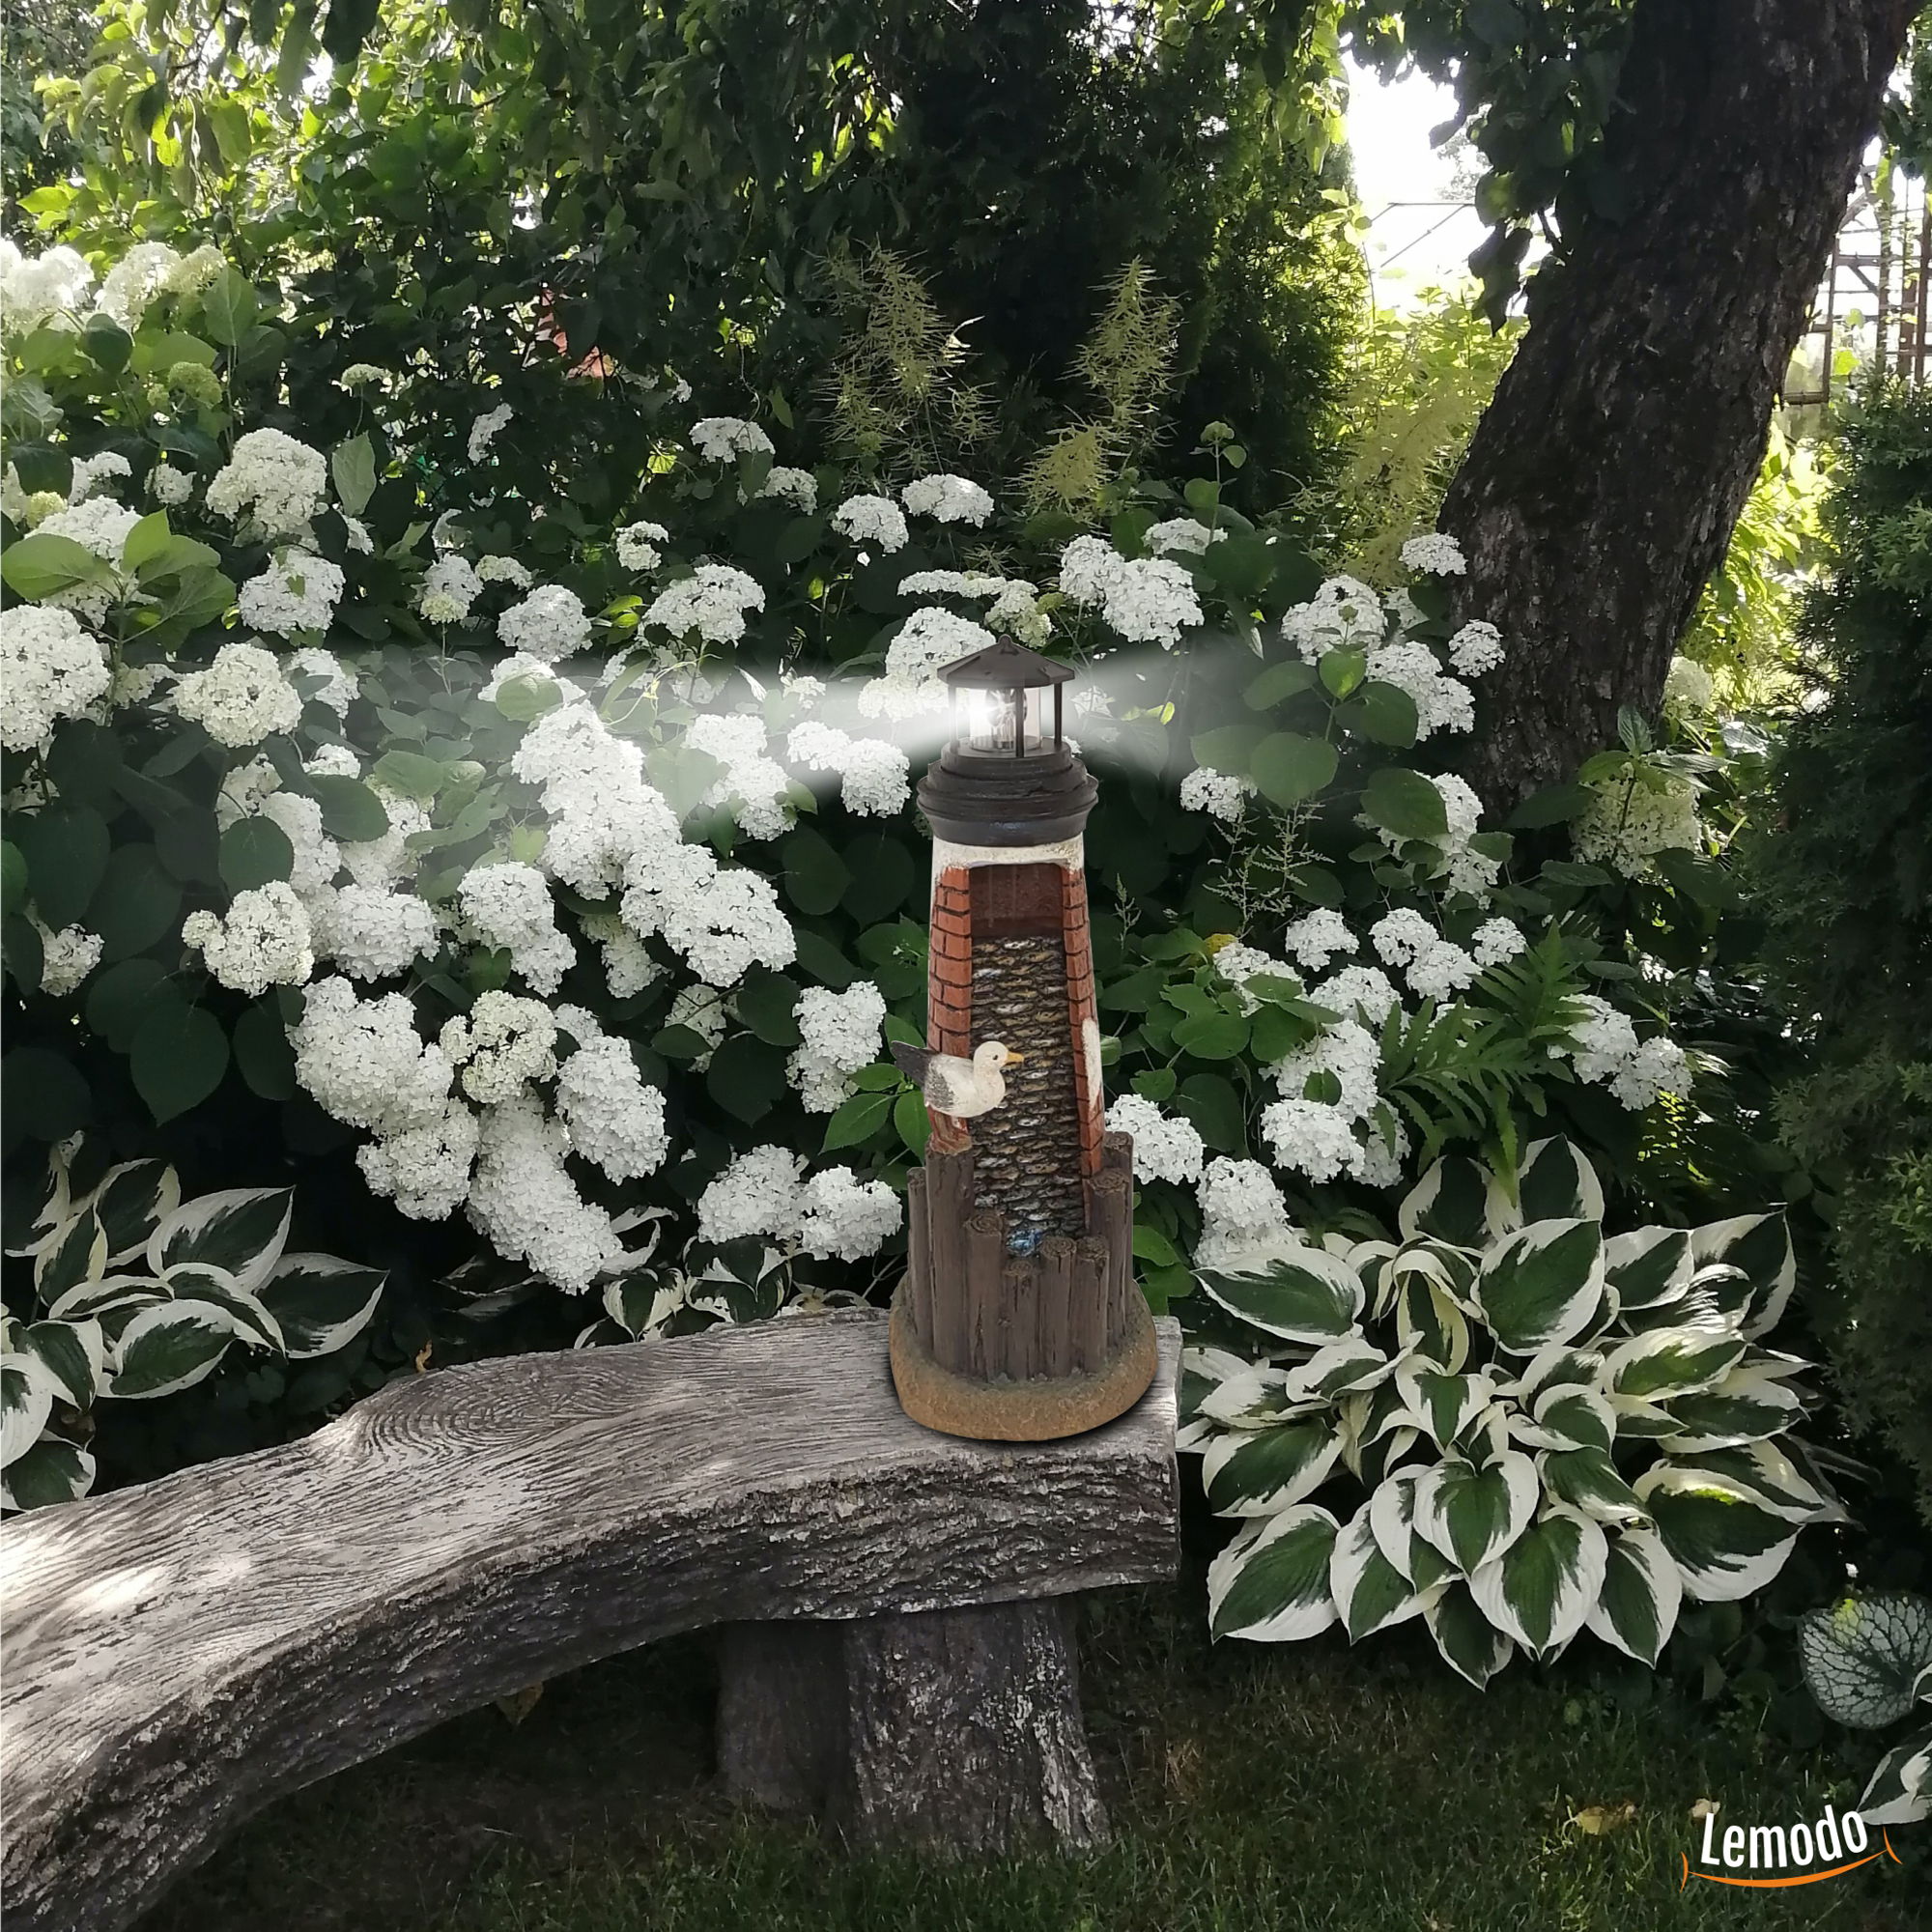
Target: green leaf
[[76, 1253], [13, 879], [911, 1122], [1304, 1295], [1554, 805], [1340, 671], [1405, 803], [1587, 1480], [858, 1120], [320, 1302], [255, 852], [1270, 1584], [410, 774], [66, 847], [263, 1055], [352, 466], [132, 1202], [36, 566], [1664, 1362], [1542, 1587], [1384, 713], [526, 696], [135, 904], [50, 1471], [1899, 1790], [1291, 769], [1470, 1643], [241, 1229], [1212, 1035], [1278, 683], [1471, 1513], [1760, 1245], [42, 1094], [745, 1077], [229, 309], [1864, 1657], [1449, 1204], [815, 876], [1724, 1543], [177, 1057], [765, 1001], [1637, 1606], [118, 998], [1227, 748], [1649, 1267], [350, 810], [107, 344], [1542, 1284], [1371, 1593], [171, 1348]]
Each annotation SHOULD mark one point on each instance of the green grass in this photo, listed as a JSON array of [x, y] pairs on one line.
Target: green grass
[[1253, 1790]]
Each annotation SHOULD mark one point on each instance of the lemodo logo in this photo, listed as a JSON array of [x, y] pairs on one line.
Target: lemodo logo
[[1781, 1854]]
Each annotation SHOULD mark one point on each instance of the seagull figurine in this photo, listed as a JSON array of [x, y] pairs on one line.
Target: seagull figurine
[[959, 1089]]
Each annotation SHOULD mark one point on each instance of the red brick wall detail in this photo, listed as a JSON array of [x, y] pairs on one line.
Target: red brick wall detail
[[949, 984], [1080, 1008]]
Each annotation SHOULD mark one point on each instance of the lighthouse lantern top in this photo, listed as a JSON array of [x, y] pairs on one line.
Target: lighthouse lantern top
[[1000, 705]]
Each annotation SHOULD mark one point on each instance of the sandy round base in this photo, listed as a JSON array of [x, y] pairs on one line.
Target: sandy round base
[[1040, 1410]]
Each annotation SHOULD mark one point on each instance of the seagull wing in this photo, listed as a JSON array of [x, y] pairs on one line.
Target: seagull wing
[[912, 1061]]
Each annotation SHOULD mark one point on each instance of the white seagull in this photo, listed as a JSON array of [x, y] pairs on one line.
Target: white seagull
[[965, 1089]]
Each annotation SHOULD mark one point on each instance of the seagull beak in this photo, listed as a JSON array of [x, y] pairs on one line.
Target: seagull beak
[[1013, 1059]]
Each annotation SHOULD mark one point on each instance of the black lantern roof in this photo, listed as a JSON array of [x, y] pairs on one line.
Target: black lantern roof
[[1006, 665]]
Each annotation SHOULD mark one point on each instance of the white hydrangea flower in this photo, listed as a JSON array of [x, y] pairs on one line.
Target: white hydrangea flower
[[926, 642], [975, 584], [1187, 535], [1310, 1139], [424, 1168], [1606, 1049], [1441, 702], [1496, 940], [844, 1219], [1238, 964], [601, 809], [1629, 821], [370, 932], [495, 569], [548, 624], [1435, 553], [947, 500], [1476, 649], [195, 271], [297, 592], [449, 586], [866, 518], [1688, 690], [1343, 615], [357, 534], [616, 1120], [877, 781], [339, 684], [757, 1194], [383, 861], [66, 958], [363, 376], [523, 1200], [637, 545], [500, 1045], [283, 482], [97, 523], [1146, 600], [318, 857], [485, 430], [1435, 967], [50, 668], [1220, 793], [134, 281], [724, 921], [90, 472], [712, 601], [170, 486], [241, 698], [1366, 988], [752, 785], [262, 941], [724, 437], [628, 968], [511, 906], [1351, 1053], [1242, 1215], [1166, 1148], [1016, 610], [839, 1033], [1317, 937], [331, 762], [363, 1061], [798, 487], [51, 285]]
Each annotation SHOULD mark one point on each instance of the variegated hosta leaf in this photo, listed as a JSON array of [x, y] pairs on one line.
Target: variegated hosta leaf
[[1566, 1415], [1587, 1480], [1540, 1588], [1450, 1204], [320, 1302], [1443, 1405], [1636, 1608], [1863, 1657], [171, 1346], [1470, 1644], [1370, 1592], [1724, 1543], [1899, 1792], [75, 1355], [241, 1229], [1669, 1362], [1542, 1284], [1747, 1405], [1202, 1370], [1771, 1476], [1300, 1294], [1472, 1514], [51, 1470], [199, 1281], [1429, 1325], [132, 1201], [1270, 1584], [1649, 1267], [1257, 1398], [1555, 1182], [1760, 1245], [27, 1395], [1342, 1368], [56, 1209], [75, 1256], [1260, 1471], [101, 1300], [1374, 1434], [1557, 1364]]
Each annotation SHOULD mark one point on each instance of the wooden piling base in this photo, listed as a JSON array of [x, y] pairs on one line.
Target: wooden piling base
[[1040, 1410]]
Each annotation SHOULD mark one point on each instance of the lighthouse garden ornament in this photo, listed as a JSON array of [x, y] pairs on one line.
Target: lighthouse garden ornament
[[1019, 1318]]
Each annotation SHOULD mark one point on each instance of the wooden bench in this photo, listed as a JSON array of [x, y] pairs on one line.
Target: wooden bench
[[176, 1656]]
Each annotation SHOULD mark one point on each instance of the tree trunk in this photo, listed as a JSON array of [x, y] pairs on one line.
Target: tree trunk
[[1602, 484]]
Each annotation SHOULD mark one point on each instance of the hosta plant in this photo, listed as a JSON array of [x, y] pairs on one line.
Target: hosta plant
[[1502, 1420], [136, 1294], [1868, 1663]]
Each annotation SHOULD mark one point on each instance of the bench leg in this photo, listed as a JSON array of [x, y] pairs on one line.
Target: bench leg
[[959, 1730]]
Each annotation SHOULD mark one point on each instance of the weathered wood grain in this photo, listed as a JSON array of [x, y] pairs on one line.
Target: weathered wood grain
[[179, 1653]]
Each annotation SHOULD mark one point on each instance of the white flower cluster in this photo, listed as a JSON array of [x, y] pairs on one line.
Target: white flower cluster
[[866, 518], [1238, 964], [637, 545], [875, 776], [947, 500], [1442, 703], [753, 785], [369, 931], [1146, 600], [449, 588], [171, 487], [1688, 690], [66, 958], [511, 906], [711, 601], [297, 592], [616, 1120], [1630, 820], [1243, 1218], [1435, 968], [90, 472], [241, 698], [723, 438], [501, 1044], [53, 283], [1319, 936], [601, 809], [798, 487], [839, 1033], [1221, 794], [1459, 867], [523, 1200], [424, 1167], [1434, 554], [548, 624], [262, 942], [1187, 535], [50, 668], [1316, 1134], [1607, 1049], [1165, 1148], [280, 480], [927, 641], [1366, 989], [503, 569], [832, 1215], [1477, 647], [722, 922], [486, 429], [339, 684], [134, 281], [1496, 940], [363, 1061], [1343, 615]]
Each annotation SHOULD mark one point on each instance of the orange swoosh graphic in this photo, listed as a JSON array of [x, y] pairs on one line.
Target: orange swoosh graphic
[[1803, 1877]]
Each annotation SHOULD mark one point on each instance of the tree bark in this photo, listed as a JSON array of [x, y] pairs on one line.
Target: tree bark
[[1602, 484]]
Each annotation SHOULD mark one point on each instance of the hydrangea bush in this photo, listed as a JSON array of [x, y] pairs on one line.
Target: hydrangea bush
[[543, 890]]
